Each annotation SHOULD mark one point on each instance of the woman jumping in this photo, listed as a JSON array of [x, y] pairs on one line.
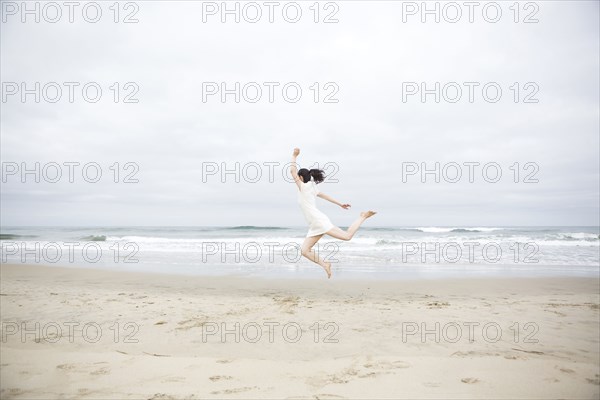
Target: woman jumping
[[318, 222]]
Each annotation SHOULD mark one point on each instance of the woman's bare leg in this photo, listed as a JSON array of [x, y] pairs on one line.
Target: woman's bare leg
[[341, 234], [308, 252]]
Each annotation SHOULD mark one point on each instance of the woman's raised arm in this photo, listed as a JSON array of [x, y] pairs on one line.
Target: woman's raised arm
[[294, 168]]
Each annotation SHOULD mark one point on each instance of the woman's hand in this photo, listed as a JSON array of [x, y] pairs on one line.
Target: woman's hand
[[296, 152], [345, 206]]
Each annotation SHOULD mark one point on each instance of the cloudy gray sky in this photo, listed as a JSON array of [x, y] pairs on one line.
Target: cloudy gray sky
[[366, 138]]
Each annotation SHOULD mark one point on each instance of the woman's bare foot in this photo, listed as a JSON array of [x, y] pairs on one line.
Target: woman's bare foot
[[327, 268], [367, 214]]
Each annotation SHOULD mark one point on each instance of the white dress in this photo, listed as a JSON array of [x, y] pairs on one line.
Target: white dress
[[318, 223]]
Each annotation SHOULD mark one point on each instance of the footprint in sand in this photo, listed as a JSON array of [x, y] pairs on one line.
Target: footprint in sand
[[101, 371], [192, 323], [90, 369], [386, 365], [353, 301], [368, 375], [220, 377], [437, 304], [373, 369], [288, 304], [66, 367], [12, 392], [161, 396], [236, 390], [565, 370], [594, 381], [239, 312], [323, 380], [475, 354]]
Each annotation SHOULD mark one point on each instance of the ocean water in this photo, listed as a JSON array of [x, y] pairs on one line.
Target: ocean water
[[380, 253]]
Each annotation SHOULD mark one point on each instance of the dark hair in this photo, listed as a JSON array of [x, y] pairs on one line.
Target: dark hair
[[317, 175]]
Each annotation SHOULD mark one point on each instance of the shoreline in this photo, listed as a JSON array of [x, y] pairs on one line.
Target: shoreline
[[172, 336], [409, 273]]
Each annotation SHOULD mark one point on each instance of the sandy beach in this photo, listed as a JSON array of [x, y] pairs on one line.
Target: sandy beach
[[109, 335]]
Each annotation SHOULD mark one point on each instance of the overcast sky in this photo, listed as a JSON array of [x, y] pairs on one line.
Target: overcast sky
[[366, 138]]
